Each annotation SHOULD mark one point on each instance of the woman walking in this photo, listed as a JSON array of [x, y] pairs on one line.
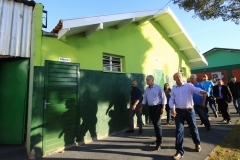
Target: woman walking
[[167, 91]]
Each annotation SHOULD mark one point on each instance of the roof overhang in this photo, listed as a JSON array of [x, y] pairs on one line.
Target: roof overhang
[[165, 17]]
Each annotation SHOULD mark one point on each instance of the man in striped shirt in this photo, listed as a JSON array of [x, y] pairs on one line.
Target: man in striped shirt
[[181, 104]]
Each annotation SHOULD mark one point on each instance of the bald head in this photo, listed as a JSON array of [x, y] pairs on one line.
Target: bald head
[[134, 82]]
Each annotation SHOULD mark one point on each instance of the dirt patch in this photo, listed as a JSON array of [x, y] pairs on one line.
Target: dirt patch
[[229, 148]]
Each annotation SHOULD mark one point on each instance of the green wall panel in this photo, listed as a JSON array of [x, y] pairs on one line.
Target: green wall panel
[[103, 100], [37, 111], [220, 58]]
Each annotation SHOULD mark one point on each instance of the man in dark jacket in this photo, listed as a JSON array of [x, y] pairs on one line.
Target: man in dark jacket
[[234, 87], [223, 97], [135, 104]]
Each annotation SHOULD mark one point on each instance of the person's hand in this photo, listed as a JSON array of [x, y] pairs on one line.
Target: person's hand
[[173, 112], [162, 110], [134, 107], [203, 104], [203, 92]]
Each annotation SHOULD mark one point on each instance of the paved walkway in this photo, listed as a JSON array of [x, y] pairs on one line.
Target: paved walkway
[[135, 146]]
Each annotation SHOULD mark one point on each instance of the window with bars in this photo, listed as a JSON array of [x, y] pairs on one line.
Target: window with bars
[[182, 71], [112, 63]]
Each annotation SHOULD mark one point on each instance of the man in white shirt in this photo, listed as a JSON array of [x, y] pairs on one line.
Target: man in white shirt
[[181, 104]]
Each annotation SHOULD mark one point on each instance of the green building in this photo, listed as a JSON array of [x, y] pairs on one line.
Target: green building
[[77, 78], [223, 63]]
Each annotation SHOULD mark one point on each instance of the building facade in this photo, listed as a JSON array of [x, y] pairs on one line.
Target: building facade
[[79, 76], [223, 63]]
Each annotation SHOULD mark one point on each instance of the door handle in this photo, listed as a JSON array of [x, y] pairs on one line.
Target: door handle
[[45, 104]]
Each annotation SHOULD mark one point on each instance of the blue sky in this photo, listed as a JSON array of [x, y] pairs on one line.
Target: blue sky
[[205, 34]]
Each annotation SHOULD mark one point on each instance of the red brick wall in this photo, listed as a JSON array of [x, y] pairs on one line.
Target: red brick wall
[[224, 72], [236, 73]]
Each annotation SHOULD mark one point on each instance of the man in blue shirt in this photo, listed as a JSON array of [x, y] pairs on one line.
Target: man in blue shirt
[[155, 97], [199, 102], [135, 104], [209, 99]]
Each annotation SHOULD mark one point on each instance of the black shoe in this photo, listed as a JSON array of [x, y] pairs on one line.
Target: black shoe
[[129, 131], [208, 130], [140, 131], [158, 147]]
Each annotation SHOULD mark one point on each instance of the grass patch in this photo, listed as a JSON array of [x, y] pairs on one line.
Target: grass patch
[[229, 148]]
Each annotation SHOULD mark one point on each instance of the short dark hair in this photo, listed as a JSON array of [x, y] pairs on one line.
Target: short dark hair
[[233, 76]]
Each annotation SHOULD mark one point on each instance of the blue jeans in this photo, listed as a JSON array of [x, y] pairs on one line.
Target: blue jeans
[[203, 115], [190, 116], [236, 103], [156, 120]]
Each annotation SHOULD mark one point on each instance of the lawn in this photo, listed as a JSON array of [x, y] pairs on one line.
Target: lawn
[[229, 148]]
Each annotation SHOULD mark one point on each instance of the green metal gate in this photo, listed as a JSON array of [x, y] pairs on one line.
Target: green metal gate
[[13, 98], [60, 105]]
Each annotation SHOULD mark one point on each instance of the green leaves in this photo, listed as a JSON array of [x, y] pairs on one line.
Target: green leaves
[[212, 9]]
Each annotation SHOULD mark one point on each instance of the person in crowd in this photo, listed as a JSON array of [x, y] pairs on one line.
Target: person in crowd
[[181, 104], [234, 87], [209, 99], [135, 104], [167, 91], [223, 97], [155, 98], [199, 103]]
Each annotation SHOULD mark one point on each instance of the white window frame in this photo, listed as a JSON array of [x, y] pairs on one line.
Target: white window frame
[[111, 63]]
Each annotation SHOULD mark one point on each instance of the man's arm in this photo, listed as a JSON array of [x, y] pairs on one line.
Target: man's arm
[[196, 90], [172, 104], [144, 101], [164, 100], [229, 94]]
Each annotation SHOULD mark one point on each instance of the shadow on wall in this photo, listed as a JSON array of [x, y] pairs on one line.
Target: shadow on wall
[[88, 112], [98, 89]]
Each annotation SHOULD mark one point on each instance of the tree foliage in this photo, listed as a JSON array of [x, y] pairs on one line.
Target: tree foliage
[[212, 9]]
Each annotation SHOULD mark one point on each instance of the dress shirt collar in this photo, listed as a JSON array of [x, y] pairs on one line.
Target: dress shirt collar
[[183, 83], [152, 86]]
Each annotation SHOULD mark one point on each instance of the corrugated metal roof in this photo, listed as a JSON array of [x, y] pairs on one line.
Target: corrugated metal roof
[[15, 28]]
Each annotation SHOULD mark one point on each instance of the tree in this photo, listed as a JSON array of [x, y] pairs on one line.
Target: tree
[[212, 9]]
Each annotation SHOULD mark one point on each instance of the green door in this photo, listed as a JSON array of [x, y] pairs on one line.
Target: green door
[[13, 97], [60, 105]]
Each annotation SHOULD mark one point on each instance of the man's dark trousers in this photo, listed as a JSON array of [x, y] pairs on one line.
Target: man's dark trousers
[[202, 114], [139, 117], [155, 114], [224, 109]]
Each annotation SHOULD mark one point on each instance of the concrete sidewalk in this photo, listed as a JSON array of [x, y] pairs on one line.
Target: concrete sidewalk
[[136, 146]]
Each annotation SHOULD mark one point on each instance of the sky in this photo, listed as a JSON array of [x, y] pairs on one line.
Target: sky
[[204, 34]]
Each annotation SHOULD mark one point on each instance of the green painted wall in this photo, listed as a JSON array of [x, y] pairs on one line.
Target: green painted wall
[[34, 133], [144, 48], [221, 58]]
